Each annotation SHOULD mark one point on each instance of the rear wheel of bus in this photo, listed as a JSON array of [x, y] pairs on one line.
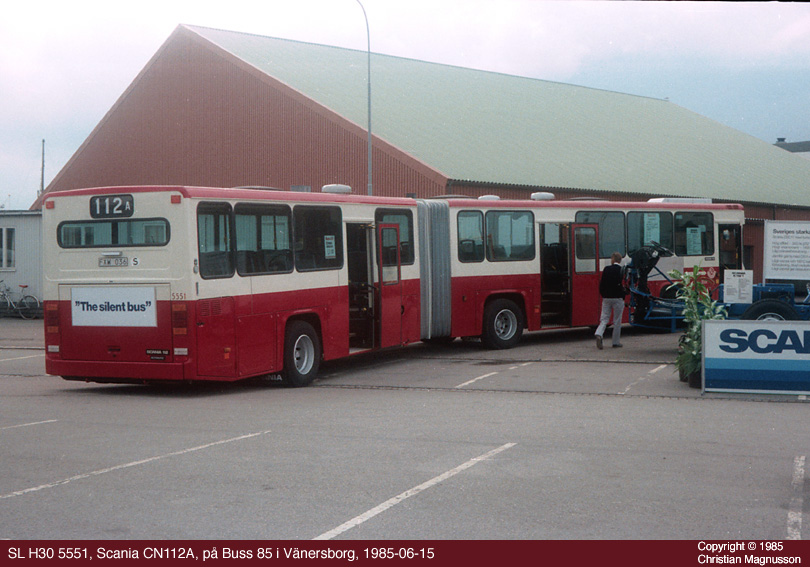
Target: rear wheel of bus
[[302, 354], [503, 324]]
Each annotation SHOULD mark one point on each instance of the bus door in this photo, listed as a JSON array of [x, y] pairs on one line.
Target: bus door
[[555, 275], [390, 286], [216, 337], [731, 257], [585, 275], [362, 304]]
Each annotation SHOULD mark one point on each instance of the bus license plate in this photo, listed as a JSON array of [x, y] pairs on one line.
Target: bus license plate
[[116, 262]]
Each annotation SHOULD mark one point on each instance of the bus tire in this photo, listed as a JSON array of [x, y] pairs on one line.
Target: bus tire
[[302, 355], [770, 310], [503, 324]]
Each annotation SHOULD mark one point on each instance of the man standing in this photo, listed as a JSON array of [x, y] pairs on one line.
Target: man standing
[[612, 292]]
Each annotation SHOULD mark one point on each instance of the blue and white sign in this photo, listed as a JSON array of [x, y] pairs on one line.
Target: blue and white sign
[[765, 357], [119, 306]]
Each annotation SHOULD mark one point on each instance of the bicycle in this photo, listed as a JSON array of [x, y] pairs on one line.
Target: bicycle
[[27, 306]]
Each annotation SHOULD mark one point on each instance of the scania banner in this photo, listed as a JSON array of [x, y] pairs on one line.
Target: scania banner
[[766, 357]]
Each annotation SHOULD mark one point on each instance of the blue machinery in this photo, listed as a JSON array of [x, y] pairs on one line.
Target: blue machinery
[[771, 301]]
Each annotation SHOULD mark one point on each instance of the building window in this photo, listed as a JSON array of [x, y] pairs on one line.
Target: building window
[[7, 248]]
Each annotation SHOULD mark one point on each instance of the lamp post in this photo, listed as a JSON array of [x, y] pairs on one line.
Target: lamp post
[[368, 37]]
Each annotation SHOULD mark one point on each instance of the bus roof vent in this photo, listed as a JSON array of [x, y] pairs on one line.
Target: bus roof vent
[[337, 189], [699, 200], [489, 198], [543, 196]]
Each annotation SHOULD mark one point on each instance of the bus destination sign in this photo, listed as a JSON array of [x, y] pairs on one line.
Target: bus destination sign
[[111, 206]]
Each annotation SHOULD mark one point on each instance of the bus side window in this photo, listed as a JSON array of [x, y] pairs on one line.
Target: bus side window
[[263, 243], [470, 236], [694, 234], [214, 240], [404, 219], [510, 236], [646, 227], [611, 230], [318, 233]]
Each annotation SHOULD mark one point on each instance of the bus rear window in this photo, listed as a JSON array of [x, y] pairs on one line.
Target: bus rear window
[[113, 232]]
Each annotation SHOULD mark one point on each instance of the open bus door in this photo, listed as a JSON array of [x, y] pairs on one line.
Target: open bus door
[[389, 309], [585, 299]]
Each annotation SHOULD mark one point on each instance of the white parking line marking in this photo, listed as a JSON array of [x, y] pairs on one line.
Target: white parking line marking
[[640, 380], [468, 382], [22, 357], [354, 522], [127, 465], [794, 521], [27, 424]]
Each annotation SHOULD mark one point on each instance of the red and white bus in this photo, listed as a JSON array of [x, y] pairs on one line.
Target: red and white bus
[[150, 284]]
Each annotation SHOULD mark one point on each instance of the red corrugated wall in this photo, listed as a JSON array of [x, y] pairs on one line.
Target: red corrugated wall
[[198, 116]]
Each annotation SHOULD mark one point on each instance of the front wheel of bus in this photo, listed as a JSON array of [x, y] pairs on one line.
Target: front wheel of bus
[[503, 324], [302, 354]]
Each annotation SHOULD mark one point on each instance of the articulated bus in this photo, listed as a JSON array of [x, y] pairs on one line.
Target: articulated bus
[[153, 284]]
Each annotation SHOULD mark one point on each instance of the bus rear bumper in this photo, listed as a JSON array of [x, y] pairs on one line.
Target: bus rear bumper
[[118, 372]]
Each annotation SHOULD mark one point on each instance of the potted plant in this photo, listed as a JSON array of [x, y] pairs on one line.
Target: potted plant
[[698, 306]]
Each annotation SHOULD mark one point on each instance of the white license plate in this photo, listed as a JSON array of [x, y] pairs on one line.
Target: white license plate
[[116, 262]]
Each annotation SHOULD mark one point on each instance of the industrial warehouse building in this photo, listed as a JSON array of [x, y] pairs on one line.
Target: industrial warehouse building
[[220, 108]]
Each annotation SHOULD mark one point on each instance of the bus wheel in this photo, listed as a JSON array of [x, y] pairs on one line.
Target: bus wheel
[[503, 324], [770, 310], [302, 354]]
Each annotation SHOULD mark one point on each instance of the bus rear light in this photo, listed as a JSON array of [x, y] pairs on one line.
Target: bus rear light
[[52, 318], [179, 319]]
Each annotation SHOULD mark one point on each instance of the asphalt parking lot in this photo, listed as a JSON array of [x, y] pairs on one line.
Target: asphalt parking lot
[[551, 440]]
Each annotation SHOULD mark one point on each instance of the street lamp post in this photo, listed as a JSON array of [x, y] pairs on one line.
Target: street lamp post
[[368, 37]]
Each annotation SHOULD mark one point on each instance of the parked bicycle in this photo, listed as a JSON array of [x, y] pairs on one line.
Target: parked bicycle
[[27, 306]]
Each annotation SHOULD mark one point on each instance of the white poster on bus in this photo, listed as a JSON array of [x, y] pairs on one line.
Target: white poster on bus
[[119, 306], [787, 250]]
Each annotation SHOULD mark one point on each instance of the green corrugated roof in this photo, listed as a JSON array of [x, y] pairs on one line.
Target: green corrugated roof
[[488, 127]]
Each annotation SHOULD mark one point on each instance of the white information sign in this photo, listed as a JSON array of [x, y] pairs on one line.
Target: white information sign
[[120, 306], [694, 243], [787, 250], [329, 249], [738, 286]]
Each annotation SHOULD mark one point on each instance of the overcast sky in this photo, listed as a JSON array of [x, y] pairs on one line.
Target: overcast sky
[[63, 64]]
